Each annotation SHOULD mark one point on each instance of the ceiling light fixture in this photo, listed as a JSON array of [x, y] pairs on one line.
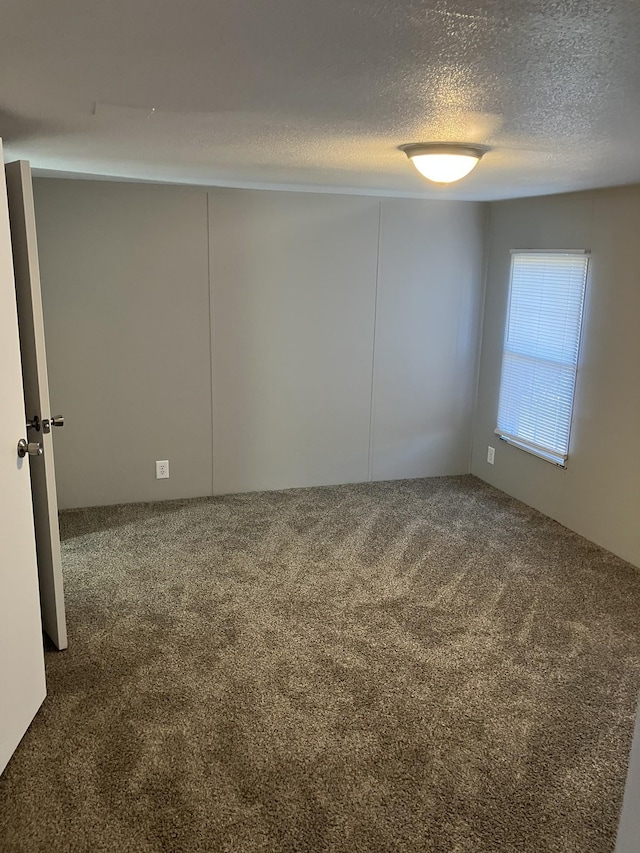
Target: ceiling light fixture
[[443, 162]]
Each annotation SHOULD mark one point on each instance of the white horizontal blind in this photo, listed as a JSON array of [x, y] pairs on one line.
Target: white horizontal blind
[[540, 359]]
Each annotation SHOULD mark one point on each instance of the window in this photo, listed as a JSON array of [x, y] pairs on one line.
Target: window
[[540, 359]]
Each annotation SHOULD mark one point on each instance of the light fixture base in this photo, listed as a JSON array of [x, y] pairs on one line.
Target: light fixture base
[[462, 149]]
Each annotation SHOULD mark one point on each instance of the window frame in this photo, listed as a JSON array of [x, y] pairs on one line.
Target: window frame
[[555, 458]]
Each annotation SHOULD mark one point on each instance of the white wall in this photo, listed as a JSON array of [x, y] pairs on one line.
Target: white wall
[[258, 340], [598, 495]]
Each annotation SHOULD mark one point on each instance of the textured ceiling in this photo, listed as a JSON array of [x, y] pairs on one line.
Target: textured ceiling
[[319, 93]]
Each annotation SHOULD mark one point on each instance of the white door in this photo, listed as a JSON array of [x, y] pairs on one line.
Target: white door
[[36, 390], [628, 840], [22, 684]]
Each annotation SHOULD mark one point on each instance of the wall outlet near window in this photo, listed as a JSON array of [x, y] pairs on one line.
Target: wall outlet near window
[[491, 455], [162, 470]]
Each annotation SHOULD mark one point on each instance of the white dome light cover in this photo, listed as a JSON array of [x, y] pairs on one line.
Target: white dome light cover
[[443, 162]]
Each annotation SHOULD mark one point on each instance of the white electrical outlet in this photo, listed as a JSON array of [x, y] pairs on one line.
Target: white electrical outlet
[[162, 470], [491, 455]]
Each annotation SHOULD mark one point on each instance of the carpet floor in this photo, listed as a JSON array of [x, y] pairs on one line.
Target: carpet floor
[[399, 667]]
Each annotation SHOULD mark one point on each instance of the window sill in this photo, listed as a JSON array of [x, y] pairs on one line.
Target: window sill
[[557, 461]]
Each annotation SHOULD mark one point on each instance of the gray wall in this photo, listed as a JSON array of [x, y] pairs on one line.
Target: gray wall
[[126, 306], [257, 340], [426, 349], [293, 321], [598, 495]]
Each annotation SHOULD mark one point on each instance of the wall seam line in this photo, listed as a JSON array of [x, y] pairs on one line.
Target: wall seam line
[[210, 288], [481, 320], [373, 350]]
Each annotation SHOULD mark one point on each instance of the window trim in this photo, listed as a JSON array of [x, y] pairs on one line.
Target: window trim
[[558, 460]]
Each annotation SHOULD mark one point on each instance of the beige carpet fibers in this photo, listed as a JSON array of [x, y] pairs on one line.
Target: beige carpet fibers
[[411, 666]]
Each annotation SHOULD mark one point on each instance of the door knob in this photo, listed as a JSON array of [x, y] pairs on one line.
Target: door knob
[[34, 423], [32, 448], [58, 420]]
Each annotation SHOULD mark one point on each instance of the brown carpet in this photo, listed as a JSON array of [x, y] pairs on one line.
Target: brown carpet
[[410, 666]]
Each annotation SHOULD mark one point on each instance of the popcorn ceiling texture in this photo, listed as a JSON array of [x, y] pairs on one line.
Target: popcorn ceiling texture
[[420, 666], [320, 94]]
